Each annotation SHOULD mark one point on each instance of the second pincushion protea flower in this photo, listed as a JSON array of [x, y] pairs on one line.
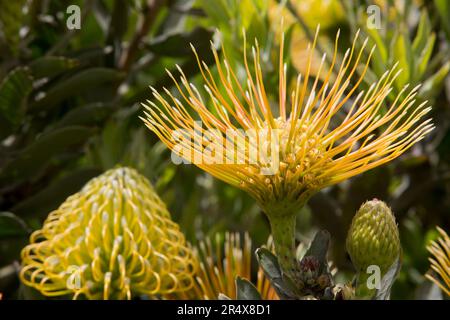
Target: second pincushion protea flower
[[112, 240], [302, 146]]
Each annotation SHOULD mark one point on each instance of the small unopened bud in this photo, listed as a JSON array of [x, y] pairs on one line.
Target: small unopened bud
[[373, 237]]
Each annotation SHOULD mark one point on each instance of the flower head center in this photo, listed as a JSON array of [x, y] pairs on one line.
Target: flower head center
[[297, 153]]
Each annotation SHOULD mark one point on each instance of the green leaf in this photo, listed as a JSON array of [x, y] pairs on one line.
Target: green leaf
[[49, 198], [443, 9], [423, 33], [87, 115], [110, 147], [118, 23], [75, 85], [381, 47], [50, 66], [269, 263], [12, 226], [178, 44], [424, 57], [245, 290], [402, 54], [14, 90], [433, 85], [219, 11], [11, 20], [27, 162]]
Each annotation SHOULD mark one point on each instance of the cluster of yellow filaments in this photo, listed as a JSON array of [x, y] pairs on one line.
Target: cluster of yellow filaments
[[325, 131], [112, 240], [221, 261], [440, 261]]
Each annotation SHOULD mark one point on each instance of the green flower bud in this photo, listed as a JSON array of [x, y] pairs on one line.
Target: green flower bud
[[373, 237]]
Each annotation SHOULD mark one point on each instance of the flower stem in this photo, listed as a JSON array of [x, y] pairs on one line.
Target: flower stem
[[283, 233]]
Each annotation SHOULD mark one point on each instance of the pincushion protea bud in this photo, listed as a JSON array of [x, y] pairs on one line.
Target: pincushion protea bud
[[112, 240], [373, 237]]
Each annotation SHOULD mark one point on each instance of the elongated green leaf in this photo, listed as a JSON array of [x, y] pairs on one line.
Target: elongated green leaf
[[53, 195], [109, 148], [381, 47], [14, 91], [49, 66], [77, 84], [402, 54], [11, 20], [118, 22], [269, 263], [433, 85], [178, 44], [443, 9], [424, 57], [219, 11], [37, 154], [12, 226], [87, 115], [423, 32], [245, 290]]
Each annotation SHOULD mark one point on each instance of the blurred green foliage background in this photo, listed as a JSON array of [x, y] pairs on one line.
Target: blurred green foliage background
[[70, 100]]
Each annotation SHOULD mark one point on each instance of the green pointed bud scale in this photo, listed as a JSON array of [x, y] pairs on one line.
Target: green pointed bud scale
[[373, 237]]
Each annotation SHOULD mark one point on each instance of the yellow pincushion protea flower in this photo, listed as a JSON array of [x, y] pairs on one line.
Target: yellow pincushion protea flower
[[317, 147], [112, 240], [221, 264], [440, 261], [317, 136]]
